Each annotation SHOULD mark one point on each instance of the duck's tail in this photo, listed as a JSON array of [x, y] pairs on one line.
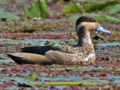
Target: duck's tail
[[29, 58]]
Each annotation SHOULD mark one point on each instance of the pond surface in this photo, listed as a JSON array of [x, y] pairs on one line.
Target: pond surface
[[104, 73]]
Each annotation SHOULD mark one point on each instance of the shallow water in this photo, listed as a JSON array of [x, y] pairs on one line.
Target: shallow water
[[45, 77]]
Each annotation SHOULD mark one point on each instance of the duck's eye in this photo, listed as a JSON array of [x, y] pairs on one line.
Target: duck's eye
[[91, 20]]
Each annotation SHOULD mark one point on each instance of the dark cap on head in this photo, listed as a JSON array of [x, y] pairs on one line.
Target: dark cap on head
[[85, 19]]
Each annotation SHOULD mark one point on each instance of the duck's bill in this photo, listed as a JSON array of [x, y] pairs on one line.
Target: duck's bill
[[100, 28]]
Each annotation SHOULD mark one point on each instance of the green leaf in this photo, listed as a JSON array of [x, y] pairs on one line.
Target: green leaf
[[99, 17], [98, 36], [92, 7], [107, 19], [37, 10], [57, 68], [105, 58], [31, 77], [53, 43], [98, 5], [72, 9], [9, 16], [95, 46], [112, 9], [77, 68]]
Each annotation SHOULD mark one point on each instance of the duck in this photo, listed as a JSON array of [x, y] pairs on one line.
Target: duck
[[82, 53]]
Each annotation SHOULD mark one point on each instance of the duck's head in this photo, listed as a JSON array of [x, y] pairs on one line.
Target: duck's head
[[86, 24]]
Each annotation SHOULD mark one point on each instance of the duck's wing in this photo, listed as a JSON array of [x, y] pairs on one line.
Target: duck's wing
[[37, 54], [42, 49]]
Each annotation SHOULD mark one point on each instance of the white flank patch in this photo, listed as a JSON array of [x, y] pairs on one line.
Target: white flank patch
[[89, 56], [49, 52]]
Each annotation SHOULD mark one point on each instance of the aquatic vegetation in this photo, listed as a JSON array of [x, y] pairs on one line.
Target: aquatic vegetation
[[59, 29], [31, 77], [89, 7], [73, 9], [101, 18], [30, 26], [85, 74], [105, 18], [37, 10], [92, 7], [8, 16], [99, 5], [111, 9], [98, 36]]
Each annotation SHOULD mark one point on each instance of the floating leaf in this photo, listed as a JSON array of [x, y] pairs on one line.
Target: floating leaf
[[95, 46], [9, 16], [105, 58], [53, 43], [57, 68], [77, 68], [31, 77]]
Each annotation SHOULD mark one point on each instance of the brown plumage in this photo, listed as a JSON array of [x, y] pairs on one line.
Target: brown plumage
[[82, 53]]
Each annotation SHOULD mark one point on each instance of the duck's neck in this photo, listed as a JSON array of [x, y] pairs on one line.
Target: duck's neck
[[83, 36], [84, 40], [85, 46]]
